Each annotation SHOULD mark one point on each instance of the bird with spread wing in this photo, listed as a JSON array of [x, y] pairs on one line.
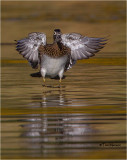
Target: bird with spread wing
[[56, 58]]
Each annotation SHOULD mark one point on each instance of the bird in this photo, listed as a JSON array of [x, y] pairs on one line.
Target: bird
[[56, 58]]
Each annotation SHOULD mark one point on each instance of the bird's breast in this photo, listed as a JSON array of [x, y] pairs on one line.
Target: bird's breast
[[53, 66], [54, 50]]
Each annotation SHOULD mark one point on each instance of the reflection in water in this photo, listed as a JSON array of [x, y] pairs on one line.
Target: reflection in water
[[53, 132]]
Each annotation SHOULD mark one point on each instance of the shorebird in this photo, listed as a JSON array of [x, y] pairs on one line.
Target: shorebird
[[56, 58]]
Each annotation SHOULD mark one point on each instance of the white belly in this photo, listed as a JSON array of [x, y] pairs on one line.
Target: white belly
[[52, 66]]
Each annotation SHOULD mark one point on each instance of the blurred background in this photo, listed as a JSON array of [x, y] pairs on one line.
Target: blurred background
[[85, 118], [96, 19]]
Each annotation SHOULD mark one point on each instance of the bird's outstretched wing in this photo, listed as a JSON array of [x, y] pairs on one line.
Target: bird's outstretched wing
[[28, 47], [82, 47]]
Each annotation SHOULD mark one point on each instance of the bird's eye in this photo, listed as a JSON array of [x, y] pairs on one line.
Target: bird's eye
[[54, 33]]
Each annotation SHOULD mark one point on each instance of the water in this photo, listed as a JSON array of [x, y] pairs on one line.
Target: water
[[85, 118]]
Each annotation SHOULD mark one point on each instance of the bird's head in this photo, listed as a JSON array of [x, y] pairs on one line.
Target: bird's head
[[57, 35]]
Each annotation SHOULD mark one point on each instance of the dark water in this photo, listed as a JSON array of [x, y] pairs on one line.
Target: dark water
[[85, 118]]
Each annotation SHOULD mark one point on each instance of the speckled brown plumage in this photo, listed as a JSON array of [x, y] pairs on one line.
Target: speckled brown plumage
[[54, 50]]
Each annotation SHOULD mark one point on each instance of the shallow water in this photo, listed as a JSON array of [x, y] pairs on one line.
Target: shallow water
[[85, 118]]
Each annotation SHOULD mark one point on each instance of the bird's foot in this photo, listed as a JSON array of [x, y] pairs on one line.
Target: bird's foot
[[44, 85], [44, 80], [60, 80]]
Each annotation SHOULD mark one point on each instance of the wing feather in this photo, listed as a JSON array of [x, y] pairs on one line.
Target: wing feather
[[28, 47], [82, 47]]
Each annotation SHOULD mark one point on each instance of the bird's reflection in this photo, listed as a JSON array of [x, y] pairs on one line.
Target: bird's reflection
[[55, 130]]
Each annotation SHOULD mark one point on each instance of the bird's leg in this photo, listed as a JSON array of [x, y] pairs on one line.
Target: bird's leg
[[60, 80], [44, 82], [43, 73], [44, 79], [60, 75]]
